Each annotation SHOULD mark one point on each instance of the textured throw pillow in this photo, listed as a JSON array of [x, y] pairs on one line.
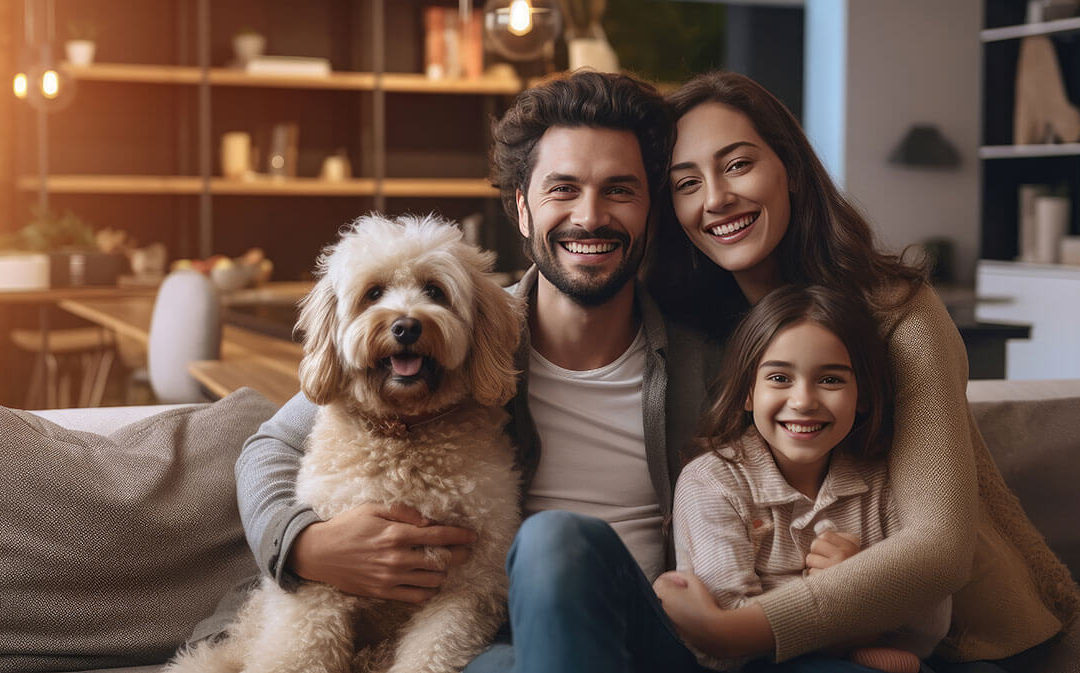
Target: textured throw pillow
[[113, 548]]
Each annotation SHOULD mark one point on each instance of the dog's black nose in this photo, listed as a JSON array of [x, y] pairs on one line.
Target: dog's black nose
[[406, 330]]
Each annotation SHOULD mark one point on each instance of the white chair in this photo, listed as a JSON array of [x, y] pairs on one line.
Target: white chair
[[185, 327]]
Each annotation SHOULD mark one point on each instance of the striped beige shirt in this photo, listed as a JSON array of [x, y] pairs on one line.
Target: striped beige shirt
[[743, 529]]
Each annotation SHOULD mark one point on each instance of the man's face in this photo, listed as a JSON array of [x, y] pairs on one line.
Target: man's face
[[585, 214]]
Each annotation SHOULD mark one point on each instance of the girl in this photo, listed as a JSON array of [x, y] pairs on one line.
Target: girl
[[788, 477], [758, 211]]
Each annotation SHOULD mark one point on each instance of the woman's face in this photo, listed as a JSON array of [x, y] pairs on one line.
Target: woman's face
[[730, 192]]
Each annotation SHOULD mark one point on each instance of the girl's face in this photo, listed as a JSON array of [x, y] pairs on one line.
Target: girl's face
[[730, 192], [804, 400]]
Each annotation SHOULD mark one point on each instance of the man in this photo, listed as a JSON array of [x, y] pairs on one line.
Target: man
[[610, 392]]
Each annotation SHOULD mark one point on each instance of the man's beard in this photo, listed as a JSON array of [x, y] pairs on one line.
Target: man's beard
[[586, 286]]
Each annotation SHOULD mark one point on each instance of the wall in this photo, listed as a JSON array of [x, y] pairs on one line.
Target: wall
[[907, 62]]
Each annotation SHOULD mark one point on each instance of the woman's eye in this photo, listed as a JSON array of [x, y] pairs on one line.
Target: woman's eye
[[738, 165], [434, 292], [373, 294], [686, 184]]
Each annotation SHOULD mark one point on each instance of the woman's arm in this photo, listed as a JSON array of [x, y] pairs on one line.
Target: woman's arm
[[932, 476]]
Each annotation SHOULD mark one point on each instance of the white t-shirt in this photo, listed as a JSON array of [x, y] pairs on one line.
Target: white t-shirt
[[592, 457]]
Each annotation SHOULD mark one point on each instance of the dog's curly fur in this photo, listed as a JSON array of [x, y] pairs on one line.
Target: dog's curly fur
[[448, 378]]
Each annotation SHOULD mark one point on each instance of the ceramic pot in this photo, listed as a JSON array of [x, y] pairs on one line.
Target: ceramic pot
[[80, 52]]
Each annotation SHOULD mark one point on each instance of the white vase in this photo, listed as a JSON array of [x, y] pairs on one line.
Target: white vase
[[248, 46], [1051, 223], [594, 53], [80, 52]]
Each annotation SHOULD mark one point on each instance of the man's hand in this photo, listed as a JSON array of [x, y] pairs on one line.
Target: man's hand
[[829, 548], [691, 607], [379, 552]]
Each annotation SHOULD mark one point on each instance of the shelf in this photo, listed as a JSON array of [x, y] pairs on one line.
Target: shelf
[[1028, 151], [345, 81], [180, 185], [1071, 24]]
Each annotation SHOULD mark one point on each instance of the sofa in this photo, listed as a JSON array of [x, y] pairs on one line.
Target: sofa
[[119, 531]]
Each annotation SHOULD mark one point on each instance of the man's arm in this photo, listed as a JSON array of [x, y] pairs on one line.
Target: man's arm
[[371, 550]]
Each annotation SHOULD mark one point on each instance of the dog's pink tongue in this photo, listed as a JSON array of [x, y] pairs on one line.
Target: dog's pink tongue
[[405, 365]]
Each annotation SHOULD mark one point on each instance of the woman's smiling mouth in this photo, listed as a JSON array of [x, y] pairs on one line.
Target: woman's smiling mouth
[[732, 227]]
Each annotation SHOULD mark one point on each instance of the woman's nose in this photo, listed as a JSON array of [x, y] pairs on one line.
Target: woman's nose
[[718, 195]]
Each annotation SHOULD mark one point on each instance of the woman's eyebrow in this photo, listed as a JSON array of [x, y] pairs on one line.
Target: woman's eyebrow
[[727, 149]]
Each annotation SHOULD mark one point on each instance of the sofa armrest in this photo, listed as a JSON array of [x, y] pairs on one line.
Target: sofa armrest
[[102, 420]]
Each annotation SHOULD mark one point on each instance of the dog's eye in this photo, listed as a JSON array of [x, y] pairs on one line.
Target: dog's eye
[[374, 293], [434, 292]]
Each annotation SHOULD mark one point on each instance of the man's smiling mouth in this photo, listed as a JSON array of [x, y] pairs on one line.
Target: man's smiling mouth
[[579, 248]]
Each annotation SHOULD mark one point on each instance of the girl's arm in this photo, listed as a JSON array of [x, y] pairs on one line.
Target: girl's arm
[[932, 477], [715, 557]]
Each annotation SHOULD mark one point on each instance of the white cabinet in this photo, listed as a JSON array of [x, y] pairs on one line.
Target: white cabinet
[[1047, 297]]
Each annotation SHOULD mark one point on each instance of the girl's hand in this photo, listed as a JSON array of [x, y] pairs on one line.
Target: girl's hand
[[829, 548], [691, 607]]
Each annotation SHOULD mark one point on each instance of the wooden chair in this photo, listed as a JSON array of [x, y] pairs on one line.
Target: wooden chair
[[81, 356]]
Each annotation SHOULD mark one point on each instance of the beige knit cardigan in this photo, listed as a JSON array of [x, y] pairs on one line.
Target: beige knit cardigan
[[962, 531]]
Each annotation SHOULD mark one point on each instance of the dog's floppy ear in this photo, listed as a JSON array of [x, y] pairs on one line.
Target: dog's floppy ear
[[321, 377], [496, 335]]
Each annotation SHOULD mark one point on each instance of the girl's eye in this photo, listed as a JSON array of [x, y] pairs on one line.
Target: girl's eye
[[777, 378], [374, 293], [832, 381], [434, 292]]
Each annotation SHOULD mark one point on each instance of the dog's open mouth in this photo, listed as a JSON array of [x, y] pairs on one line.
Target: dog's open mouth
[[409, 367]]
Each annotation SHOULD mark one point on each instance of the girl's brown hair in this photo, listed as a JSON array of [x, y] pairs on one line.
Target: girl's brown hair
[[827, 241], [850, 320]]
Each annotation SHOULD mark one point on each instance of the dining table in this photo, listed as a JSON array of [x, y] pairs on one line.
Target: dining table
[[248, 357]]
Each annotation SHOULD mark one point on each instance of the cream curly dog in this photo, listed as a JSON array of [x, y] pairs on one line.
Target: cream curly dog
[[408, 348]]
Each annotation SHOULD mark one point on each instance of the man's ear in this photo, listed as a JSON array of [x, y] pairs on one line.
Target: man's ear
[[523, 213]]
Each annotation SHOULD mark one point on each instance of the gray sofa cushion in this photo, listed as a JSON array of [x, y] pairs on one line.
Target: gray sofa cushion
[[112, 548]]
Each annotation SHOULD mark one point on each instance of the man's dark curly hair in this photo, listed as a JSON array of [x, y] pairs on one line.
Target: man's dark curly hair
[[584, 98]]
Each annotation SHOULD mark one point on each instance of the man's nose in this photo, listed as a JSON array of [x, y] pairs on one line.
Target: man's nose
[[589, 211]]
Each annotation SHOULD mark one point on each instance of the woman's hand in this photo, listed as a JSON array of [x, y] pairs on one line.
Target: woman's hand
[[691, 607], [830, 548]]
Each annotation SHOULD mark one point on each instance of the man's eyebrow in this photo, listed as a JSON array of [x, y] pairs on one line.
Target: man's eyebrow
[[727, 149], [552, 178]]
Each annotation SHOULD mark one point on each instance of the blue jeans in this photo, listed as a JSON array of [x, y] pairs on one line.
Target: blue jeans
[[580, 603]]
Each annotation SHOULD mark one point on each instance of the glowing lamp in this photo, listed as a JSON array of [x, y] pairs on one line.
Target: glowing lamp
[[520, 30]]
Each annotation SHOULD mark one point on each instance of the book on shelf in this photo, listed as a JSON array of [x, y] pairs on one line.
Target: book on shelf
[[289, 65], [453, 48]]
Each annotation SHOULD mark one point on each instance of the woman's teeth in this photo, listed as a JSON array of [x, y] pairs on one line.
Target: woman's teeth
[[589, 248], [732, 227], [796, 427]]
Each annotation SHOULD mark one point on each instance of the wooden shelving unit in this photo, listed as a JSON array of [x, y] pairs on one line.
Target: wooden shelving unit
[[342, 81], [262, 186], [1006, 166], [145, 135]]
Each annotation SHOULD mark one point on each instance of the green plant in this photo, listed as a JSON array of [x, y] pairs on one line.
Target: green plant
[[51, 231]]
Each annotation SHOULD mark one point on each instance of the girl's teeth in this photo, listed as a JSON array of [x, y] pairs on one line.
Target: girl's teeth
[[732, 227], [589, 249], [794, 427]]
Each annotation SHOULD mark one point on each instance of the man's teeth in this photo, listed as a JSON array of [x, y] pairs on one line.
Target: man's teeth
[[796, 427], [589, 248], [732, 227]]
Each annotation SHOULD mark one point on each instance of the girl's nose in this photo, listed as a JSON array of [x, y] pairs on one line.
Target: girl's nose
[[802, 398]]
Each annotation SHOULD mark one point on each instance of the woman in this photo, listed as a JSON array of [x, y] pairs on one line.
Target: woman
[[761, 212]]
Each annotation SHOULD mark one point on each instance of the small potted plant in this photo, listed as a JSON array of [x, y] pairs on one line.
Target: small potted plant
[[81, 45], [248, 44], [75, 257]]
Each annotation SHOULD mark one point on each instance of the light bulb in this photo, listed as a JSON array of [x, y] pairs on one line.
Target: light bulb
[[19, 85], [50, 84], [520, 17]]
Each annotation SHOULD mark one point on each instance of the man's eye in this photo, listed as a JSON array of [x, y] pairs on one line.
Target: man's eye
[[374, 293], [434, 292]]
